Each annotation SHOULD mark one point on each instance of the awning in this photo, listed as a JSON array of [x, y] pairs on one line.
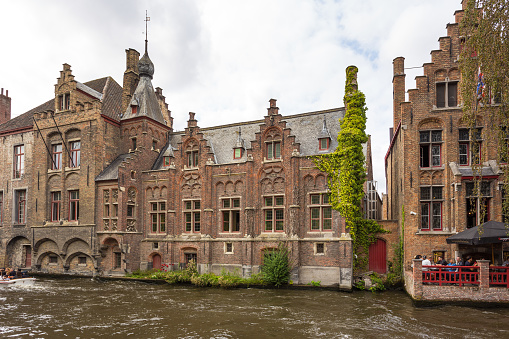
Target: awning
[[492, 232]]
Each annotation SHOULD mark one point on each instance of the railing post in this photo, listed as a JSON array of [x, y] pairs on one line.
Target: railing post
[[417, 275], [484, 273]]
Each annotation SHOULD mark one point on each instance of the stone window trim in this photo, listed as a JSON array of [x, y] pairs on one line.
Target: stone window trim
[[166, 161], [82, 260], [75, 150], [64, 102], [134, 145], [74, 205], [273, 211], [20, 206], [52, 259], [430, 148], [193, 159], [431, 200], [228, 248], [19, 161], [237, 153], [192, 215], [56, 156], [446, 94], [273, 150], [320, 212], [319, 248], [230, 211], [56, 203], [154, 146], [323, 144], [157, 213]]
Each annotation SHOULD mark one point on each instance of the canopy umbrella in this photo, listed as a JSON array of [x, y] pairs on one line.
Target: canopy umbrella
[[492, 232]]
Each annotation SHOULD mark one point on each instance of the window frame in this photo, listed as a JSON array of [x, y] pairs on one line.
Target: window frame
[[192, 158], [74, 205], [426, 148], [166, 161], [55, 206], [193, 223], [273, 149], [472, 153], [158, 218], [428, 208], [272, 213], [75, 160], [321, 205], [233, 213], [20, 200], [56, 156], [447, 99], [320, 144], [19, 161], [235, 155], [471, 197]]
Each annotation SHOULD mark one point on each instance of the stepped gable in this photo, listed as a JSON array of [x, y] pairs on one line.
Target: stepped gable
[[25, 120], [306, 127]]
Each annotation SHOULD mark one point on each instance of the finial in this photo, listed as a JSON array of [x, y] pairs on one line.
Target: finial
[[147, 19]]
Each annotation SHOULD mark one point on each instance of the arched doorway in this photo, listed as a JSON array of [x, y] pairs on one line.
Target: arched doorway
[[378, 256], [156, 261]]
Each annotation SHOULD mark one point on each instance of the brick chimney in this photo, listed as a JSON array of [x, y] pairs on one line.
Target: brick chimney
[[131, 76], [273, 109], [5, 107], [398, 88]]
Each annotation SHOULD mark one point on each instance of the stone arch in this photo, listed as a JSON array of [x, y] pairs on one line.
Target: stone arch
[[72, 180], [266, 185], [164, 192], [220, 188], [454, 74], [18, 252], [191, 144], [431, 123], [229, 187], [55, 181], [321, 182], [308, 181], [273, 133], [279, 185], [132, 132], [72, 133], [156, 193], [110, 250], [440, 74], [437, 178], [238, 186], [74, 243], [46, 243], [70, 257], [150, 192], [46, 254]]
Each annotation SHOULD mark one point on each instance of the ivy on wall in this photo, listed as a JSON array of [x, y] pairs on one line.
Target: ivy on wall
[[347, 172]]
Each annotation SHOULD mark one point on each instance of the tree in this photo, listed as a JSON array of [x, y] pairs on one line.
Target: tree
[[484, 65], [346, 170]]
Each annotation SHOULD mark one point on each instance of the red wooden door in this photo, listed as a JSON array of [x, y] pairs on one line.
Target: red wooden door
[[378, 256], [156, 261]]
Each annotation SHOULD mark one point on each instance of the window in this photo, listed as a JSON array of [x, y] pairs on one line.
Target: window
[[21, 206], [320, 212], [431, 208], [56, 156], [166, 161], [228, 247], [478, 198], [430, 148], [505, 205], [192, 159], [19, 161], [158, 217], [55, 206], [82, 260], [447, 94], [230, 212], [53, 259], [117, 260], [130, 210], [237, 153], [469, 150], [273, 150], [134, 109], [74, 205], [273, 212], [1, 206], [133, 144], [192, 216], [154, 145], [75, 153], [320, 248], [324, 144], [64, 101]]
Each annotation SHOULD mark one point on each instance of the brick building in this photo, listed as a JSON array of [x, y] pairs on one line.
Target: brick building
[[429, 163], [110, 187]]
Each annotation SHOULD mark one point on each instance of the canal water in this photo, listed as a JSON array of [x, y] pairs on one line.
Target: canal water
[[85, 308]]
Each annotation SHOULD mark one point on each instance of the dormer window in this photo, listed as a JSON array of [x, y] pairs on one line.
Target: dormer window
[[134, 109], [166, 161], [64, 101], [237, 153], [324, 144]]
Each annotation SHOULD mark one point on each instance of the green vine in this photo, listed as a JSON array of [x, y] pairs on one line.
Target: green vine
[[347, 173], [486, 50]]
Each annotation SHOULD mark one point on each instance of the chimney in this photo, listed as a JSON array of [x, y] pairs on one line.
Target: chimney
[[131, 77], [5, 107], [273, 109], [398, 88], [192, 122]]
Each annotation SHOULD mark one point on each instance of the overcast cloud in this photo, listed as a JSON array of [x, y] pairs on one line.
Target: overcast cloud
[[225, 59]]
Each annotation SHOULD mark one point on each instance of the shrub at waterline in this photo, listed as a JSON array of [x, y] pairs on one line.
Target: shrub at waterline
[[276, 265]]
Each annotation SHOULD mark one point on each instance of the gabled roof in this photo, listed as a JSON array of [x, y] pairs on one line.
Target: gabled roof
[[25, 120], [111, 171]]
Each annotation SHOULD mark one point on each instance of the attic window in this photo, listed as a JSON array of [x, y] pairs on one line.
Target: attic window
[[134, 109], [154, 145], [237, 153], [166, 161], [323, 144], [64, 101], [133, 146]]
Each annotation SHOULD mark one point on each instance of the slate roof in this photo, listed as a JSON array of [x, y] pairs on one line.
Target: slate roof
[[107, 87], [111, 171], [145, 99], [306, 127]]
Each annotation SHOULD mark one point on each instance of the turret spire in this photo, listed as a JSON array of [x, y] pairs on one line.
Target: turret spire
[[147, 19]]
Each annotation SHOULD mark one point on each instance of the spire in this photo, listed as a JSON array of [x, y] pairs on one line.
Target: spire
[[145, 65], [325, 131], [240, 141]]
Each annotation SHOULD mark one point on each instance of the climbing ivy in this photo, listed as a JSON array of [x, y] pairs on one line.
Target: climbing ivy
[[347, 173], [484, 65]]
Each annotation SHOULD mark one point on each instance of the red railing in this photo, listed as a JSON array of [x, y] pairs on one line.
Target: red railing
[[450, 275], [499, 276]]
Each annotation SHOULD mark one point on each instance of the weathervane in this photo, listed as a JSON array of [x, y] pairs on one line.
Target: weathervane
[[147, 19]]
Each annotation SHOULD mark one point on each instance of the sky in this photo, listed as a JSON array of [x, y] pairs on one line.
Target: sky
[[224, 59]]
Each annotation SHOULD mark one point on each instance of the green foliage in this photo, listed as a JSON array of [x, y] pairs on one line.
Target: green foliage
[[176, 277], [315, 283], [204, 280], [255, 279], [276, 265], [377, 283], [346, 171], [360, 285]]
